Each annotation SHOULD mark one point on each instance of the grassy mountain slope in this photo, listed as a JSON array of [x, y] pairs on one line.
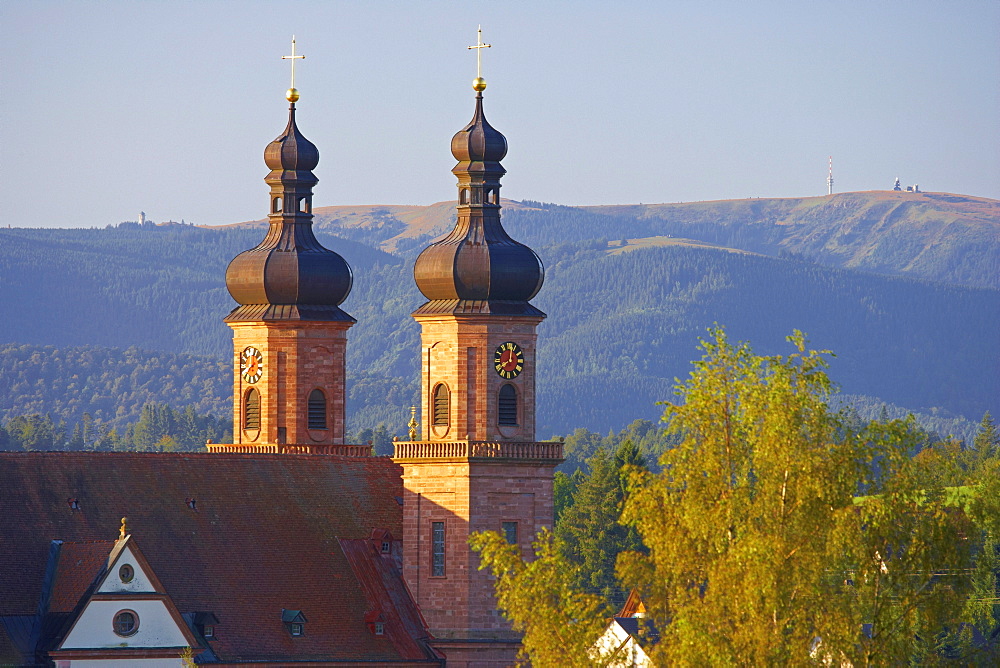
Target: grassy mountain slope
[[937, 236]]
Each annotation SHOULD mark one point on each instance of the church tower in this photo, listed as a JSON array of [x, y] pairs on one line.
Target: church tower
[[289, 333], [477, 466]]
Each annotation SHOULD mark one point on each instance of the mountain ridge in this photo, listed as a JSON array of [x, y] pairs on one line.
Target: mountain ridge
[[625, 316], [940, 236]]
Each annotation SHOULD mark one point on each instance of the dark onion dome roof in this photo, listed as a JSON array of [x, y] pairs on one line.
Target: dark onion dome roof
[[478, 267], [289, 267], [479, 141], [289, 275], [291, 151], [481, 264]]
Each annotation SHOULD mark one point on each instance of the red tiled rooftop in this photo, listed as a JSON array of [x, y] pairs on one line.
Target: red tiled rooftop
[[77, 568], [265, 536]]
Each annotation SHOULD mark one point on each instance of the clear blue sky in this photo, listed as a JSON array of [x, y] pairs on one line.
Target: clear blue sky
[[109, 108]]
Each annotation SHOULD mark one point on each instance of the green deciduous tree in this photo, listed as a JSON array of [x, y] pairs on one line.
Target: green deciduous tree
[[559, 622], [775, 533], [758, 551]]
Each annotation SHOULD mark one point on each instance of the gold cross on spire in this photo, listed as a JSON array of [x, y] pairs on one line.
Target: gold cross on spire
[[292, 93], [479, 83]]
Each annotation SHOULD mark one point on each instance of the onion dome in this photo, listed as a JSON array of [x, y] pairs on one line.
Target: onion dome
[[290, 275], [479, 141], [478, 268], [291, 151]]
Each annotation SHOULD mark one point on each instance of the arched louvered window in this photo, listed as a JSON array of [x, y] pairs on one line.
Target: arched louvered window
[[442, 406], [507, 406], [251, 410], [317, 410]]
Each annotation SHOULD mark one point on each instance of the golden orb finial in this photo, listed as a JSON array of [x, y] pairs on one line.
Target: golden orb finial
[[479, 84], [292, 94]]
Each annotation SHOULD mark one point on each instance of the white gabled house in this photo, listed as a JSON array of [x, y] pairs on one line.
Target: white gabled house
[[629, 635], [123, 616]]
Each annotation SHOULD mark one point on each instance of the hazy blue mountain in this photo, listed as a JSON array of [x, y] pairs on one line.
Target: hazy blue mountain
[[628, 291]]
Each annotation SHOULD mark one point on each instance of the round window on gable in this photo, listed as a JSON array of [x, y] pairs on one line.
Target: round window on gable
[[126, 573], [126, 623]]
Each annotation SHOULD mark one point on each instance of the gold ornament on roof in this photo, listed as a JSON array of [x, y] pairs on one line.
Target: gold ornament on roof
[[292, 94], [412, 424], [121, 532], [479, 83]]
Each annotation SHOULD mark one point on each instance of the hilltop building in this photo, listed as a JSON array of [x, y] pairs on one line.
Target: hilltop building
[[290, 546]]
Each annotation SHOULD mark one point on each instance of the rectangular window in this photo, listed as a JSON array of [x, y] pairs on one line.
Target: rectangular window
[[295, 629], [509, 530], [379, 628], [437, 548]]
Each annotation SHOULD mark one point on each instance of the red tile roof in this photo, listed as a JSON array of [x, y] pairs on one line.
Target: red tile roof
[[77, 568], [389, 600], [266, 535]]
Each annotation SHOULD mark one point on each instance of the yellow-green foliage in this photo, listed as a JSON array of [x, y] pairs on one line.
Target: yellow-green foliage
[[560, 625]]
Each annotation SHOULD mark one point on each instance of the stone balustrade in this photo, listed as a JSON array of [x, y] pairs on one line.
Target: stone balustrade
[[545, 450], [291, 449]]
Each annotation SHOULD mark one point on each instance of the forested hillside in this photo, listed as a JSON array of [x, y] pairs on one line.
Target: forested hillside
[[626, 305]]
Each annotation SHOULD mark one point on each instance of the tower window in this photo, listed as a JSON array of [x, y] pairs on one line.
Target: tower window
[[509, 530], [507, 406], [276, 205], [317, 410], [463, 196], [304, 205], [442, 406], [251, 410], [437, 548]]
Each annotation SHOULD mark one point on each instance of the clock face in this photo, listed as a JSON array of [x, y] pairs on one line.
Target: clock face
[[251, 364], [508, 360]]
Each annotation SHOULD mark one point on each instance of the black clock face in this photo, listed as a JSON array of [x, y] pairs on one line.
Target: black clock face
[[251, 364], [508, 360]]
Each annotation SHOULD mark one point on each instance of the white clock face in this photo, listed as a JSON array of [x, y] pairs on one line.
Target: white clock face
[[251, 364]]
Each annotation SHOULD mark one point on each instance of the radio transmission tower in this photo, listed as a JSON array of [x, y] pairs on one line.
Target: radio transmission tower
[[829, 178]]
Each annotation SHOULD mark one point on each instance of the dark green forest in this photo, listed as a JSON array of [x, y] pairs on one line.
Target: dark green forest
[[108, 321]]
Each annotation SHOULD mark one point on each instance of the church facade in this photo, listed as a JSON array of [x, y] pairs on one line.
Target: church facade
[[288, 545]]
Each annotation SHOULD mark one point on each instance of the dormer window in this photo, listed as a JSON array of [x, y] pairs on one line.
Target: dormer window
[[376, 622], [204, 623], [386, 547], [294, 621]]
